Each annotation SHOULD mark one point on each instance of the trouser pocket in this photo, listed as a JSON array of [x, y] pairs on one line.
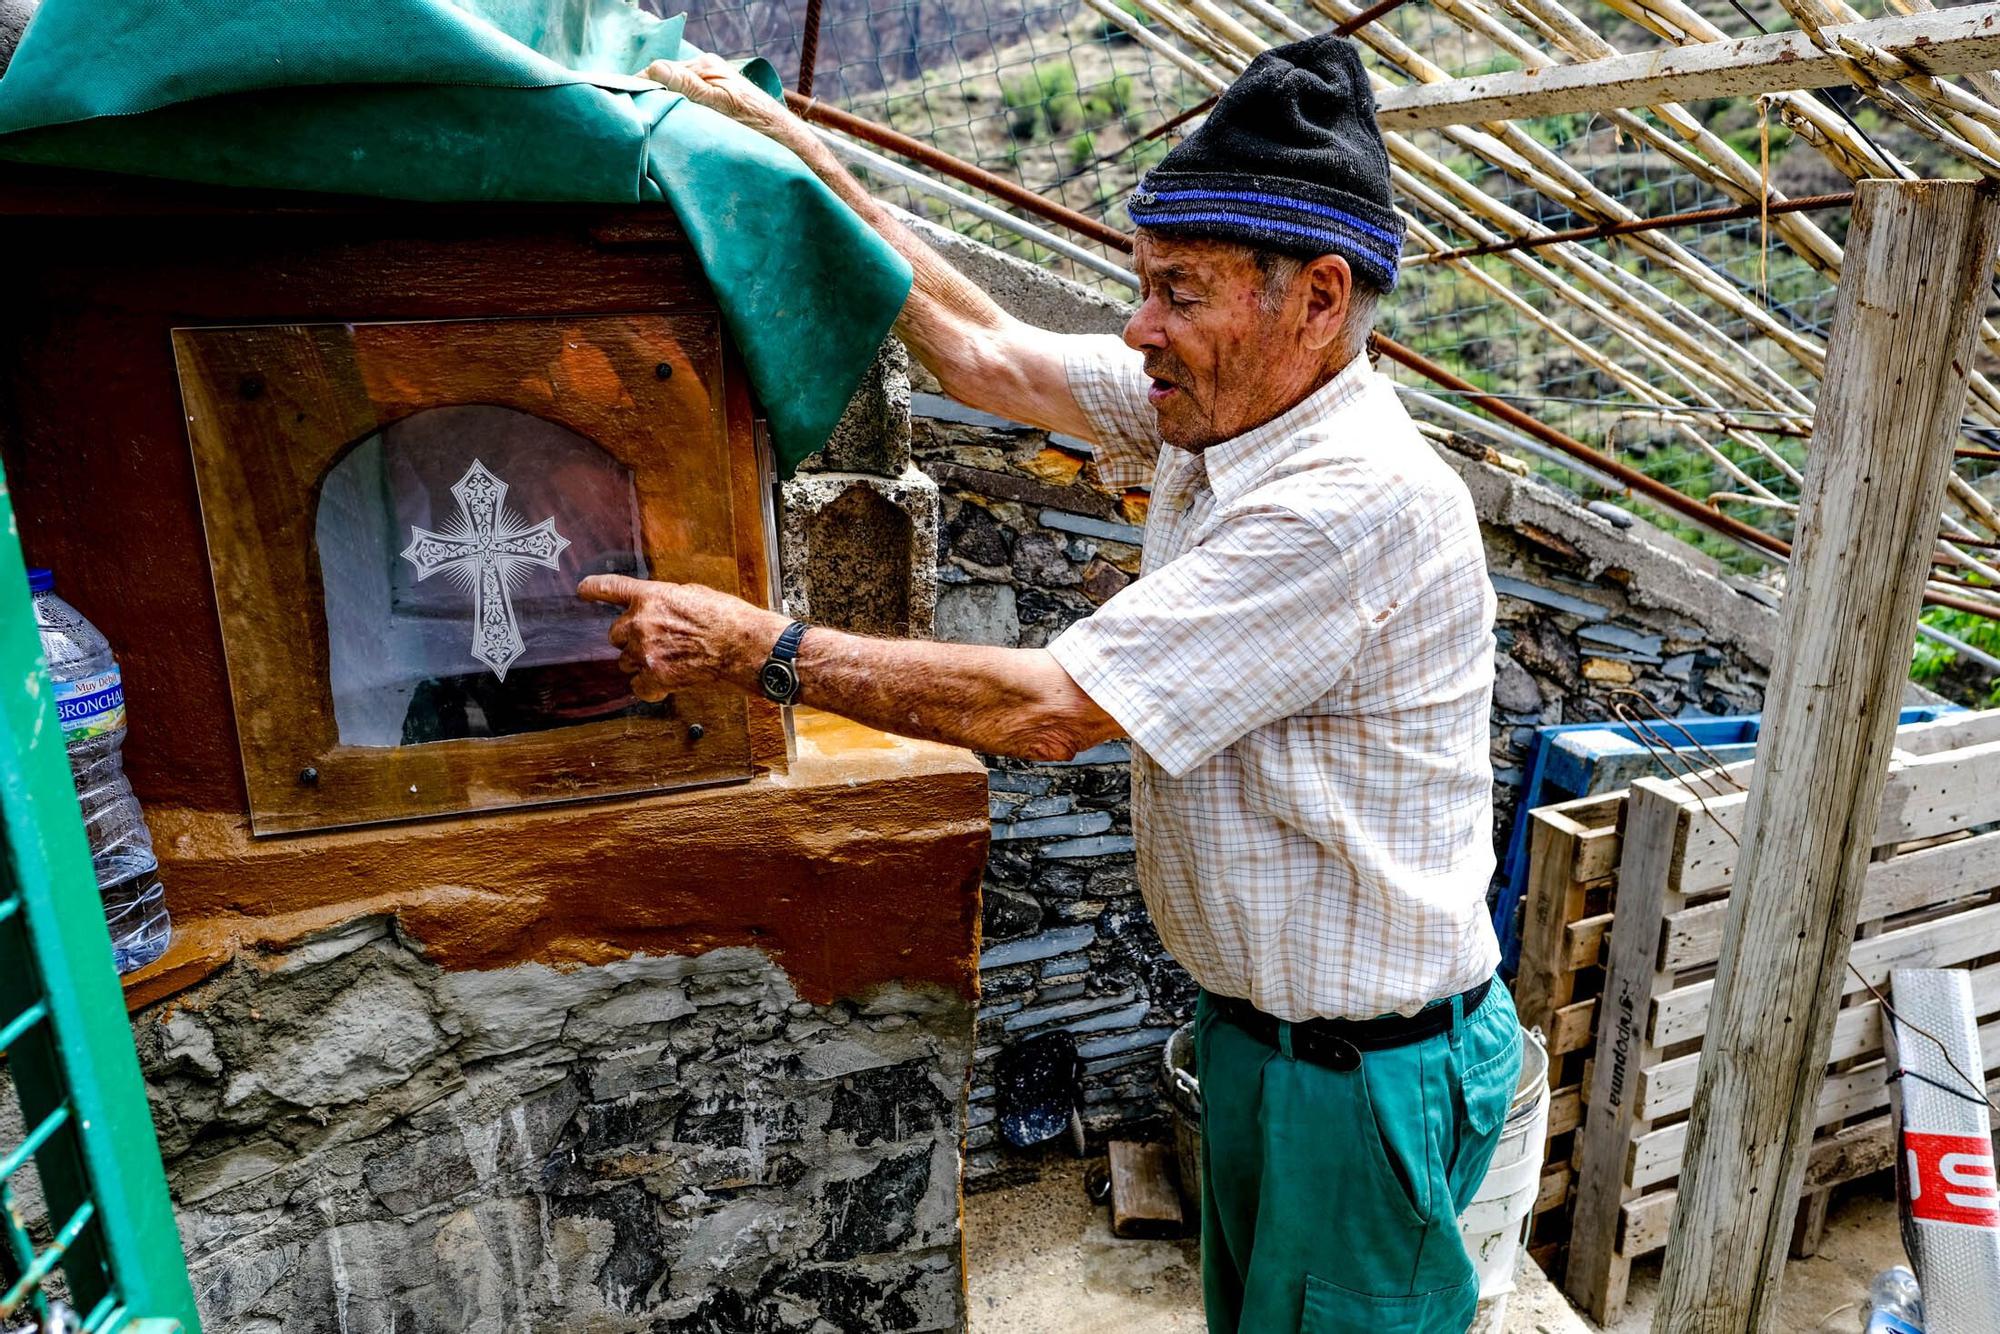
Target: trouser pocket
[[1332, 1309], [1404, 1109]]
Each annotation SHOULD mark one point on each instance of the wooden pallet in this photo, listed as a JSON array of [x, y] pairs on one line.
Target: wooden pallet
[[1572, 876], [1932, 899]]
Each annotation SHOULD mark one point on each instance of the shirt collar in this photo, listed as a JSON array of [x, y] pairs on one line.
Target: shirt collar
[[1236, 464]]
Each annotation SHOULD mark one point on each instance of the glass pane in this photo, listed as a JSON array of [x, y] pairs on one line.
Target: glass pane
[[450, 545]]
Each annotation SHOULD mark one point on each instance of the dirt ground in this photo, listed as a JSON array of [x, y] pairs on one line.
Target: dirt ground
[[1042, 1260], [1822, 1295]]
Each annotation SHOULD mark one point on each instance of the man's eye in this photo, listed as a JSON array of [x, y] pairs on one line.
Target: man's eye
[[1178, 298]]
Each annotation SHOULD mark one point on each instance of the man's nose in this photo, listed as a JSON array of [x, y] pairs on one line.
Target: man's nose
[[1142, 331]]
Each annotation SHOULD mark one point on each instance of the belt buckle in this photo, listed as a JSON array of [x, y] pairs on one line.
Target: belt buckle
[[1337, 1053]]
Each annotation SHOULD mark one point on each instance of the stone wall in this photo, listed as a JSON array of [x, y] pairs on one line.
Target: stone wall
[[359, 1142], [1028, 542]]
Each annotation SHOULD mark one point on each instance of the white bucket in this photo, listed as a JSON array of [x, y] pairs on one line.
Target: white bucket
[[1495, 1225]]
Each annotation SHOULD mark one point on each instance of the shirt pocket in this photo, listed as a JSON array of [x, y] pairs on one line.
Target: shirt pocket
[[1332, 1309]]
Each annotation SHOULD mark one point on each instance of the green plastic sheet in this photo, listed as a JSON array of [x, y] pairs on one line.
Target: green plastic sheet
[[474, 100]]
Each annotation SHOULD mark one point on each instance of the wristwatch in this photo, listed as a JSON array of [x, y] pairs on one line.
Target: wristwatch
[[779, 678]]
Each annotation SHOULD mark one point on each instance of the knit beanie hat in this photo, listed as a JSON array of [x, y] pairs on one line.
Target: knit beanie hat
[[1289, 160]]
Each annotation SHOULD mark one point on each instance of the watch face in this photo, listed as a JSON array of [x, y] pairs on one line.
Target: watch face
[[779, 681]]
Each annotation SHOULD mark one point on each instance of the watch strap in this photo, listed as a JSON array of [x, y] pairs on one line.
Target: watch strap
[[787, 647]]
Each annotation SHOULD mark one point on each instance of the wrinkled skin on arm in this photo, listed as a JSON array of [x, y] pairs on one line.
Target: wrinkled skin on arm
[[1003, 701]]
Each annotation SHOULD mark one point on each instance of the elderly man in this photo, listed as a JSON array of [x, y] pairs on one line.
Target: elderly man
[[1303, 667]]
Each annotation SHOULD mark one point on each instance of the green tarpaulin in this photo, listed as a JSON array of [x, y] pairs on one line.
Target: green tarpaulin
[[473, 100]]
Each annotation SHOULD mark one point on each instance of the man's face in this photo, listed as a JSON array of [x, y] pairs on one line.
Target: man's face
[[1222, 359]]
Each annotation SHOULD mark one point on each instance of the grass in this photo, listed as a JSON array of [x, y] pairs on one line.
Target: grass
[[1930, 660]]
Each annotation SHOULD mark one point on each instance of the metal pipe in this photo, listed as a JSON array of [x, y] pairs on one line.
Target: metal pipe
[[1960, 647], [916, 180], [818, 113], [1468, 421], [1725, 213]]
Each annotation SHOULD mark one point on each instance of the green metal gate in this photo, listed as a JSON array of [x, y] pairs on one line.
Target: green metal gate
[[109, 1248]]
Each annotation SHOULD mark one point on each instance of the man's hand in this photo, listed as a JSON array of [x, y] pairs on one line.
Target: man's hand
[[712, 82], [673, 636]]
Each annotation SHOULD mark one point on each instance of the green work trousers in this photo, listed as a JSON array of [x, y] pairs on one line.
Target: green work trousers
[[1330, 1198]]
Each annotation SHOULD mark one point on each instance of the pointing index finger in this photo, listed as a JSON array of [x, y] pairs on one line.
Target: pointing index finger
[[616, 589]]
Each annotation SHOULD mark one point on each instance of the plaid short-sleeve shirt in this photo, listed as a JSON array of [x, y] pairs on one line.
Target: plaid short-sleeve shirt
[[1304, 666]]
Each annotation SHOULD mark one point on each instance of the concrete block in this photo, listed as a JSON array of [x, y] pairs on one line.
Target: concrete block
[[873, 436], [859, 552]]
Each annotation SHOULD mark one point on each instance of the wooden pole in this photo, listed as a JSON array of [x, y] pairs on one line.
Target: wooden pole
[[1944, 42], [1911, 294]]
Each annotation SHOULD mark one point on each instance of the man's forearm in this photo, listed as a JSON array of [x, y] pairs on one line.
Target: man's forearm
[[945, 305], [1002, 701]]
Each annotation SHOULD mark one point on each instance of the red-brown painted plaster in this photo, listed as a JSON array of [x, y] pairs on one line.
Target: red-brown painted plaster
[[859, 867]]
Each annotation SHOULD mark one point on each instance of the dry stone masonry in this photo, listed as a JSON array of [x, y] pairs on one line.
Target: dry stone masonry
[[360, 1143]]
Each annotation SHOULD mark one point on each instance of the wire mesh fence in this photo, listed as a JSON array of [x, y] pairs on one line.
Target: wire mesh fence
[[1054, 96]]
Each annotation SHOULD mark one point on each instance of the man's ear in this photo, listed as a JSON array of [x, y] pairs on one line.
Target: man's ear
[[1328, 286]]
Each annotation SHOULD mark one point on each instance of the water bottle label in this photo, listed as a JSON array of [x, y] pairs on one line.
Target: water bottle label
[[92, 706], [1884, 1322]]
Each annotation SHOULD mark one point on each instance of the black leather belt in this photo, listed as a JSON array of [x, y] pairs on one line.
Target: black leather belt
[[1338, 1043]]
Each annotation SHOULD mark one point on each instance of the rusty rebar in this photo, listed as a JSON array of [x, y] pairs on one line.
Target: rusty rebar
[[809, 48], [1656, 491], [1724, 213], [902, 145], [1348, 27]]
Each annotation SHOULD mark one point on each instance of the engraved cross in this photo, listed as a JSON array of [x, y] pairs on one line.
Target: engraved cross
[[488, 548]]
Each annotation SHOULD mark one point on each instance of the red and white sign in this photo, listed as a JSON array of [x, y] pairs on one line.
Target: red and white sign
[[1951, 1179]]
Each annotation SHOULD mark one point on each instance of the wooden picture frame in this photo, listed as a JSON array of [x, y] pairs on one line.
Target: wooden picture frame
[[270, 411]]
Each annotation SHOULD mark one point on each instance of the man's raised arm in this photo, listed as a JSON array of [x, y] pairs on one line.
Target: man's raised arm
[[981, 355]]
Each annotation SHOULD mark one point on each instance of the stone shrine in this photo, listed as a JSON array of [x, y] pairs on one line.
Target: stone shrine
[[497, 1000]]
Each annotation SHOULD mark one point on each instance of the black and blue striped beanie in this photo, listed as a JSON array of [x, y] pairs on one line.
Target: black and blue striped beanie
[[1289, 160]]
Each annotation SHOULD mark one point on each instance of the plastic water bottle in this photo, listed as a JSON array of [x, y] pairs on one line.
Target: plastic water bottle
[[90, 702], [1895, 1306]]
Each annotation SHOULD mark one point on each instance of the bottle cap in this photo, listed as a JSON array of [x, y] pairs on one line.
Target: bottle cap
[[40, 580]]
